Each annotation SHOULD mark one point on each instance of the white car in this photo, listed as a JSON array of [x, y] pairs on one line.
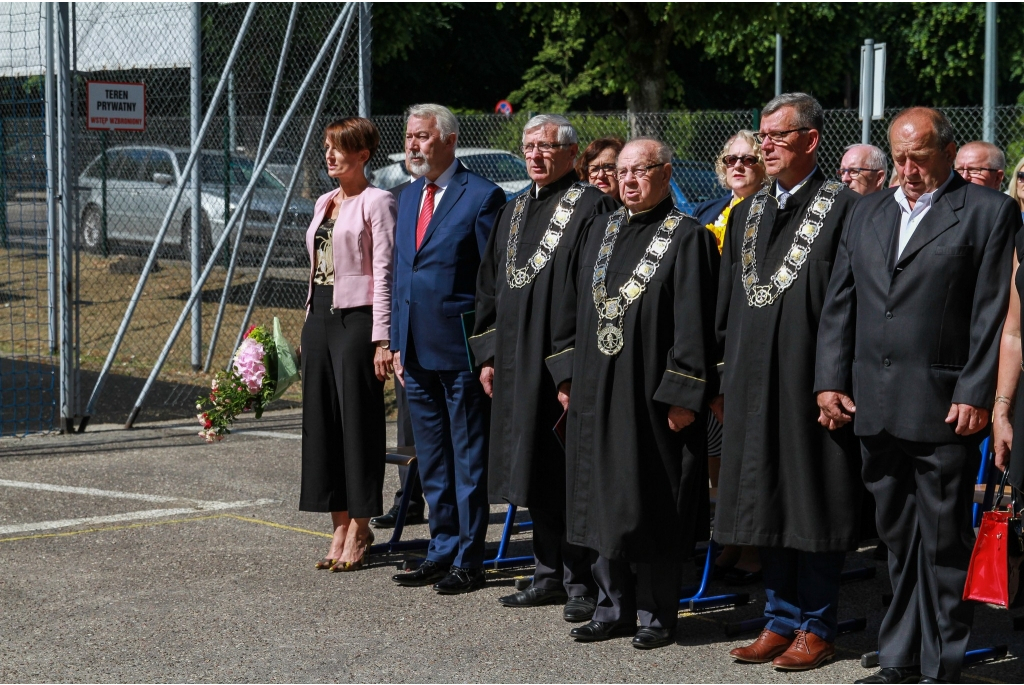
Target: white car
[[499, 166]]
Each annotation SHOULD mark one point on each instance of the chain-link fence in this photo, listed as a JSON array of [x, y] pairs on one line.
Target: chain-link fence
[[122, 183]]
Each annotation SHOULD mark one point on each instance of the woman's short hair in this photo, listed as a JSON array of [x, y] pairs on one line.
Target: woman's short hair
[[1012, 190], [353, 134], [745, 135], [594, 150]]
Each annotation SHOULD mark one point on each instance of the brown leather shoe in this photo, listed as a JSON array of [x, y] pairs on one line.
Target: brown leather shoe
[[807, 651], [766, 647]]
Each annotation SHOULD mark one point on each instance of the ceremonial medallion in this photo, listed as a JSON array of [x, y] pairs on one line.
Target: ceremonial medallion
[[611, 312], [810, 227], [518, 278], [609, 340]]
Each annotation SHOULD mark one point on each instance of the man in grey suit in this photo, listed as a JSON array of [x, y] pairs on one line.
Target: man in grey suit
[[907, 349]]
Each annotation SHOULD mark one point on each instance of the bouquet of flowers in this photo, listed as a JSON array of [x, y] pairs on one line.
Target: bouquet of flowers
[[262, 369]]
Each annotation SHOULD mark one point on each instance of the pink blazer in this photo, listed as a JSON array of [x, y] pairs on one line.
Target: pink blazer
[[364, 237]]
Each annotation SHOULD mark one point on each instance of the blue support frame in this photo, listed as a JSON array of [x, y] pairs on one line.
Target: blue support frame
[[403, 456], [500, 560]]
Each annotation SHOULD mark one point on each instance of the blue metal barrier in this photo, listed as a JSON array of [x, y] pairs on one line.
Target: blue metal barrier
[[401, 456], [500, 560], [694, 597]]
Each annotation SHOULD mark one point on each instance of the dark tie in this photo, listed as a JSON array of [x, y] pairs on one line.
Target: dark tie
[[426, 214]]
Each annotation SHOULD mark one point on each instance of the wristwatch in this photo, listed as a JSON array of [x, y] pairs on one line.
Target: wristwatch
[[384, 344]]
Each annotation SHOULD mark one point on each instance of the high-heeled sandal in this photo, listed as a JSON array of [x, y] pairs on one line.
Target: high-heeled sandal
[[357, 565], [326, 564]]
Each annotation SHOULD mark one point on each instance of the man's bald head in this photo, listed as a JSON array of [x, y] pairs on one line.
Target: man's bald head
[[981, 163], [863, 169], [923, 148], [644, 171]]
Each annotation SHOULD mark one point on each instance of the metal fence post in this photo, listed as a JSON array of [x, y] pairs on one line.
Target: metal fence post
[[778, 65], [365, 57], [50, 127], [239, 232], [196, 244], [755, 119], [4, 240], [223, 254], [158, 240], [867, 91], [346, 15], [104, 248], [991, 77], [66, 284]]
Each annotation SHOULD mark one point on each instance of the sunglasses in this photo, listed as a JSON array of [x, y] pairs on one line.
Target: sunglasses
[[1020, 175], [747, 160]]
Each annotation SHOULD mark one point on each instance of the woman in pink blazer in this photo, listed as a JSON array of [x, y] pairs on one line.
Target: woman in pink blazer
[[345, 357]]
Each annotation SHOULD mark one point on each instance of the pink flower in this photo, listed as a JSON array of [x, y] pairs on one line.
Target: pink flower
[[249, 364]]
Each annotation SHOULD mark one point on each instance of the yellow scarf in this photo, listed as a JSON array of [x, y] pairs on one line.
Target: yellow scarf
[[718, 227]]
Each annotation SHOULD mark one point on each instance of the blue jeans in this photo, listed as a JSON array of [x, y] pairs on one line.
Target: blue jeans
[[803, 591]]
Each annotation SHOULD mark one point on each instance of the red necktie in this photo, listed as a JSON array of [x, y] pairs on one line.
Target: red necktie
[[426, 213]]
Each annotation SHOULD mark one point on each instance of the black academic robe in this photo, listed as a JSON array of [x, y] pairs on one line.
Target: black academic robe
[[636, 490], [785, 481], [526, 465]]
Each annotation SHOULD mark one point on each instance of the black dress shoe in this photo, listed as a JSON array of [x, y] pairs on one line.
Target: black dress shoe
[[460, 580], [413, 517], [596, 631], [652, 638], [579, 609], [427, 574], [907, 674], [534, 597]]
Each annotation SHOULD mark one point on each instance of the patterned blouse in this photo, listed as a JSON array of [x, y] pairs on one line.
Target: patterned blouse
[[323, 248]]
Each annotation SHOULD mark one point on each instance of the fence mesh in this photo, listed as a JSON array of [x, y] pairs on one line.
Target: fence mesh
[[28, 342], [124, 182]]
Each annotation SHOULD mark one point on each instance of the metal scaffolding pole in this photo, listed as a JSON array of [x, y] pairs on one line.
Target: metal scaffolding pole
[[229, 277], [280, 219], [66, 282], [346, 16], [991, 76], [52, 249], [147, 269], [196, 231]]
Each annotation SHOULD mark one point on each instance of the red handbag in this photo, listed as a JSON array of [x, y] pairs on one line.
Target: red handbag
[[994, 574]]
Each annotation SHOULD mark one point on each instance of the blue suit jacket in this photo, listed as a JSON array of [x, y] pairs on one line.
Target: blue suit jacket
[[435, 285]]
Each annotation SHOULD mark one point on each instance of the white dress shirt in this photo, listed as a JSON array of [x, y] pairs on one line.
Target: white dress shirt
[[442, 182], [782, 195], [911, 218]]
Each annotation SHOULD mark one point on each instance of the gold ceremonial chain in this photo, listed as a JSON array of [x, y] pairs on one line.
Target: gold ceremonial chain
[[613, 309], [810, 227], [517, 278]]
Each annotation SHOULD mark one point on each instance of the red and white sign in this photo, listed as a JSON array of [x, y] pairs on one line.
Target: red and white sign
[[116, 106]]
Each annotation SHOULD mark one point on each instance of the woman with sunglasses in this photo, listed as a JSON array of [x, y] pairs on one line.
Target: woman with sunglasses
[[740, 169], [1016, 189], [596, 165]]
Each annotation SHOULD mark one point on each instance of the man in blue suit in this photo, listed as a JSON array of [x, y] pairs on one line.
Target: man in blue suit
[[444, 219]]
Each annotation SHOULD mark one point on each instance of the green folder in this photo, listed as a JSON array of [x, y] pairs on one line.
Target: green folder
[[468, 324]]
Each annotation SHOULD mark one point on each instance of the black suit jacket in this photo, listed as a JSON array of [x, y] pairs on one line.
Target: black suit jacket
[[907, 340]]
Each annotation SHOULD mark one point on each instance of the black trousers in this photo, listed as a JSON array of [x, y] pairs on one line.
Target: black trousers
[[405, 439], [559, 565], [923, 495], [343, 429], [627, 591]]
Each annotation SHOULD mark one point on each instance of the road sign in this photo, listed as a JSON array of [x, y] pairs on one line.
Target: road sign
[[876, 81], [503, 107], [116, 106]]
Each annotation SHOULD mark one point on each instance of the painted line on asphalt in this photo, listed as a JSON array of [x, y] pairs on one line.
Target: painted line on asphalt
[[128, 516], [112, 494], [148, 524], [252, 431], [276, 525]]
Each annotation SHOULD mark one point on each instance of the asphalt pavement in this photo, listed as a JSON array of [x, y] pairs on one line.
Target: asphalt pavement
[[149, 555]]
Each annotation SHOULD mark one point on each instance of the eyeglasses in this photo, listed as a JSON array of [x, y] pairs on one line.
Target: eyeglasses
[[854, 171], [747, 160], [638, 172], [542, 148], [972, 171], [777, 136], [597, 169]]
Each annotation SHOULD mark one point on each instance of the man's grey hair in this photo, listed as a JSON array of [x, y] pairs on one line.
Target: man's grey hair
[[808, 110], [996, 158], [876, 158], [663, 151], [566, 133], [447, 124]]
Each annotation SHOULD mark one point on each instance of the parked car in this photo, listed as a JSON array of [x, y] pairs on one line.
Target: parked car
[[141, 181], [499, 166], [24, 163], [282, 165], [693, 183]]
